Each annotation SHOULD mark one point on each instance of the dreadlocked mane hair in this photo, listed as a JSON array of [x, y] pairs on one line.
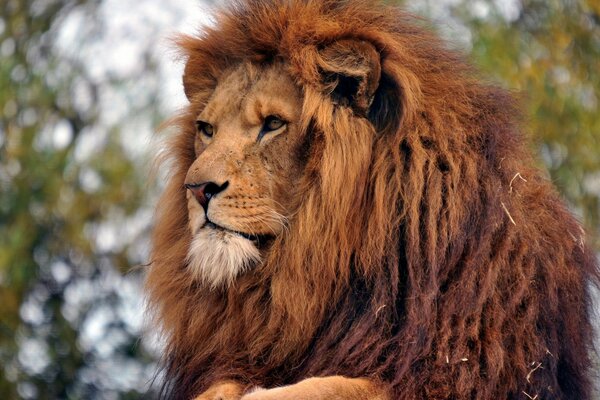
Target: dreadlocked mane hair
[[428, 253]]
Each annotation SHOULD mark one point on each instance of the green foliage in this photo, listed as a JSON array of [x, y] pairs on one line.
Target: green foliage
[[52, 203]]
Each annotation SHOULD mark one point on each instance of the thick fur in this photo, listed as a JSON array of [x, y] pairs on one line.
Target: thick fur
[[427, 252], [220, 265]]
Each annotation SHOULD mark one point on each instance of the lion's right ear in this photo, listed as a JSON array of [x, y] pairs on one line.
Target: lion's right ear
[[350, 71], [198, 74], [191, 82]]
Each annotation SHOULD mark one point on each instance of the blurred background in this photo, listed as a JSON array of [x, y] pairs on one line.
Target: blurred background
[[84, 85]]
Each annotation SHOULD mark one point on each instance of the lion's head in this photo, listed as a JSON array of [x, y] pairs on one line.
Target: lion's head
[[250, 155], [252, 145], [343, 201]]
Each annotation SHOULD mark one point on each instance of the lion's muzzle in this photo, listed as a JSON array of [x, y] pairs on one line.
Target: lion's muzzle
[[203, 192]]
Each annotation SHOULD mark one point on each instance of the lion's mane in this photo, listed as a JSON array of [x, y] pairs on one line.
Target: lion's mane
[[427, 251]]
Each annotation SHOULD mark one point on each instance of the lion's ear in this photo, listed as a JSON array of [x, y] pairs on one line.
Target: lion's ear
[[351, 70], [190, 79]]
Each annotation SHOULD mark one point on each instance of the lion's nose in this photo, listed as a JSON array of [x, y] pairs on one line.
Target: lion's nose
[[203, 192]]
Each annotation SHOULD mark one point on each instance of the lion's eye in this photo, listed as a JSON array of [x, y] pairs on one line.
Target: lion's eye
[[205, 128], [272, 123]]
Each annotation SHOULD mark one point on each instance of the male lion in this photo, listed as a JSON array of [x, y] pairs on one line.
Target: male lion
[[352, 215]]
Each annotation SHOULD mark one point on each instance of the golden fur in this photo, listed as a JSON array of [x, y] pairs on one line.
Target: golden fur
[[420, 249]]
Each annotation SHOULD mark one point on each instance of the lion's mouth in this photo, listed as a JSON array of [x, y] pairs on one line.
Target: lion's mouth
[[259, 240]]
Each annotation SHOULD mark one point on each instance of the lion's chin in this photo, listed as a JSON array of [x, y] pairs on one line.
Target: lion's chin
[[216, 256]]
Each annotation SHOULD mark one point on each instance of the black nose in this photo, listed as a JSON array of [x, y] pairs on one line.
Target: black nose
[[203, 192]]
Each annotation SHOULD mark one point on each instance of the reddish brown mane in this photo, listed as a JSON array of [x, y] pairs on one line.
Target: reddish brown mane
[[418, 256]]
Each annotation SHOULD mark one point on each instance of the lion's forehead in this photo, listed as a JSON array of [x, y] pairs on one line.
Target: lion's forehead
[[252, 92]]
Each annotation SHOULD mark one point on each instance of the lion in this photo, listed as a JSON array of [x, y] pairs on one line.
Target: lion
[[353, 214]]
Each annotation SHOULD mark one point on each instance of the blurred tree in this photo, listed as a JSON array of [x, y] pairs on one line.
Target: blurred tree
[[68, 189]]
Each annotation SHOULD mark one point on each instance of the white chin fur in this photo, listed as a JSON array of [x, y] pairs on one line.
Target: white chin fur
[[217, 257]]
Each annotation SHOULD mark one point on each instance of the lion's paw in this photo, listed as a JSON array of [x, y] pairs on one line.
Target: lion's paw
[[223, 391]]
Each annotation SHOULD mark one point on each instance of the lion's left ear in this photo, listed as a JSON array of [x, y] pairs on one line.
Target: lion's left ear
[[351, 70]]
